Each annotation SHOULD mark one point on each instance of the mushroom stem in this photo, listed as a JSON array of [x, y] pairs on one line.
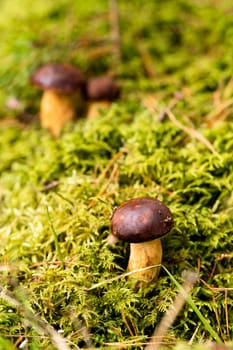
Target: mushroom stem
[[56, 109], [94, 108], [144, 255]]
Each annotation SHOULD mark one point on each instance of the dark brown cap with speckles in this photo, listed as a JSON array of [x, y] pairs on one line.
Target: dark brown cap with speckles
[[60, 77], [102, 88], [141, 219]]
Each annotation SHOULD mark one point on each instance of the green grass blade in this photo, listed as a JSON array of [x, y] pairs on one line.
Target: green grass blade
[[57, 245]]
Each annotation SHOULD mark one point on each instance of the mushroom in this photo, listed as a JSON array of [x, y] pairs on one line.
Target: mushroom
[[61, 83], [100, 92], [141, 222]]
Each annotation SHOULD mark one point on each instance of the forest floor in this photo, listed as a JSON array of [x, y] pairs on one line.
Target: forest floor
[[169, 136]]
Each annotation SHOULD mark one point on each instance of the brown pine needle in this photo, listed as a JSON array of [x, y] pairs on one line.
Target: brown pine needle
[[192, 132], [111, 177], [217, 289], [146, 60], [227, 315], [220, 108], [104, 188], [109, 165]]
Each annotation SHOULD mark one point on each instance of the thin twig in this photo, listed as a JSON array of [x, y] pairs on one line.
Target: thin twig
[[173, 311], [115, 30], [192, 132], [217, 289]]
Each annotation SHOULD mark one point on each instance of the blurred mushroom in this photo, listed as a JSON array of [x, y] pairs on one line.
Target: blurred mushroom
[[141, 222], [100, 92], [61, 84]]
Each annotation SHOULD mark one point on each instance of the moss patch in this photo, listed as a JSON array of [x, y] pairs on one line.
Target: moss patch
[[57, 195]]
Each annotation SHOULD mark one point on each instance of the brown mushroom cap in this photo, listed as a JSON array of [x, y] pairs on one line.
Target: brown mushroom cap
[[60, 77], [102, 88], [140, 220]]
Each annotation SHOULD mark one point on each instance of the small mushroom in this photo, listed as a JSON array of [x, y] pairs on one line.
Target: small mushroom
[[100, 92], [61, 84], [141, 222]]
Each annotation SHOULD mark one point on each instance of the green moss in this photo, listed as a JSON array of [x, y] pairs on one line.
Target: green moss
[[57, 195]]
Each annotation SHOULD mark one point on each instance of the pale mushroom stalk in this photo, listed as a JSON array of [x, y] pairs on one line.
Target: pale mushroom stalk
[[95, 107], [56, 109], [144, 255]]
